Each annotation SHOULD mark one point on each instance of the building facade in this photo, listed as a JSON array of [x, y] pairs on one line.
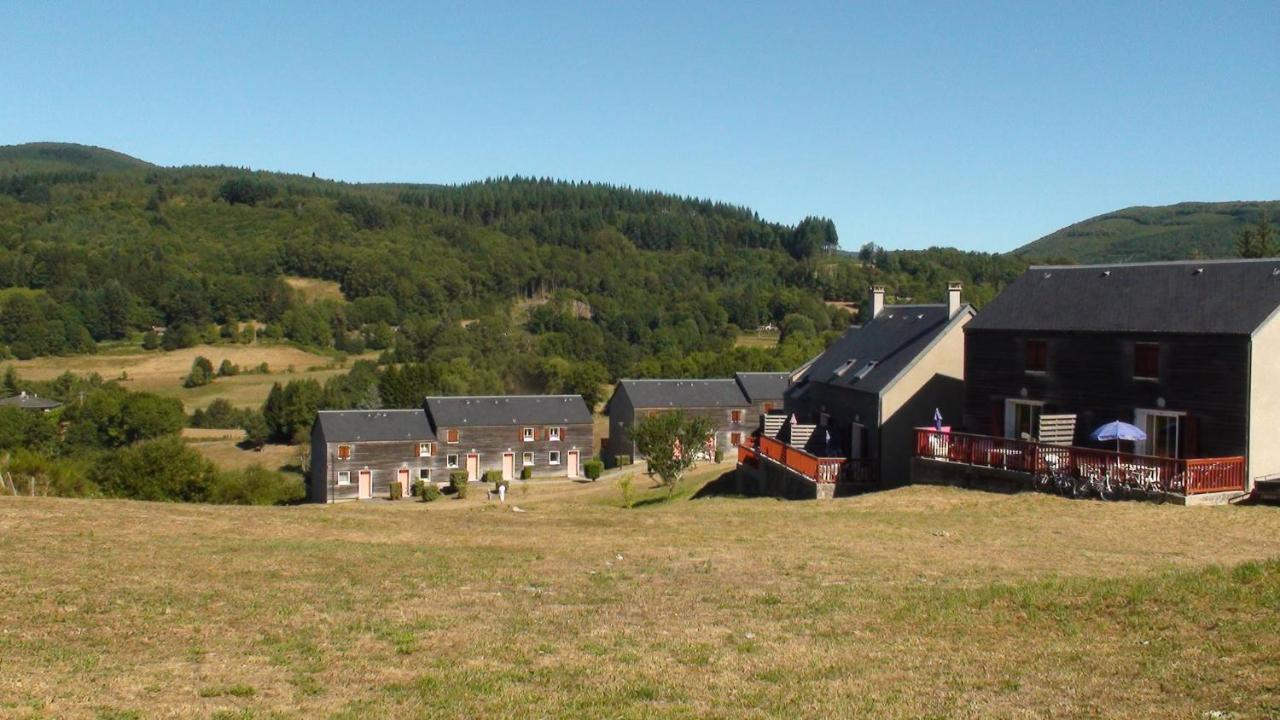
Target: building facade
[[551, 435], [359, 454]]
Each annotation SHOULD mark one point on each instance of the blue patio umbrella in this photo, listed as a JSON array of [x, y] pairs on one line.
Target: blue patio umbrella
[[1118, 430], [937, 419]]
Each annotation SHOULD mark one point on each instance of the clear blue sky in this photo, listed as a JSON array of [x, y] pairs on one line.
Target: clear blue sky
[[981, 127]]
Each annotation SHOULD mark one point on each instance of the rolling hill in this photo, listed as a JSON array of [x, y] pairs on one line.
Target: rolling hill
[[56, 157], [1136, 234]]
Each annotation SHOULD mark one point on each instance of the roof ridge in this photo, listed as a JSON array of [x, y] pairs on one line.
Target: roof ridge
[[1157, 263]]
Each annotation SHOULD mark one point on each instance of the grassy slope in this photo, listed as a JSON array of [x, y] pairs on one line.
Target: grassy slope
[[52, 157], [163, 372], [912, 603], [1171, 232]]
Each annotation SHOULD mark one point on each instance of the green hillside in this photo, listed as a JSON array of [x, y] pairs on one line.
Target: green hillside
[[1170, 232], [55, 157]]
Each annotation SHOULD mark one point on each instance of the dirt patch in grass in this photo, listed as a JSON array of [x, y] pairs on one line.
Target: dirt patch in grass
[[920, 602], [312, 290]]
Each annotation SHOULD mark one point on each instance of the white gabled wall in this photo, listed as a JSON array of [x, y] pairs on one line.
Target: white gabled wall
[[1264, 402]]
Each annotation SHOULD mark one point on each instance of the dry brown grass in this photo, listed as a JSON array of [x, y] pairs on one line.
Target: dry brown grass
[[163, 372], [756, 338], [312, 290], [921, 602]]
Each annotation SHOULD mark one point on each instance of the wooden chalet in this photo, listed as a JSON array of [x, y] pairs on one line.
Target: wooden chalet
[[549, 434], [1186, 351]]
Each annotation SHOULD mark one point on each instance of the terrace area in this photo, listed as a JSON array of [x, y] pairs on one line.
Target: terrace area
[[1178, 476]]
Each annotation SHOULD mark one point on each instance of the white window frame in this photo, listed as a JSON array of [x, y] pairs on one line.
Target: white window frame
[[1010, 416], [426, 470], [526, 459], [553, 458], [341, 474], [530, 434], [424, 449], [451, 461], [1141, 418], [554, 434]]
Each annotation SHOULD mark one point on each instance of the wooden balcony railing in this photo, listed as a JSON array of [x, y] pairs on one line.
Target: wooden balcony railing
[[817, 469], [1192, 477]]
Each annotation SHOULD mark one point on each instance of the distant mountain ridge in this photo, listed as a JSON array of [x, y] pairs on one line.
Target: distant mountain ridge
[[1142, 233], [56, 156]]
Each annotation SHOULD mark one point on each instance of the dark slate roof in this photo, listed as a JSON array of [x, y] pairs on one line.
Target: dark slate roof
[[684, 393], [1231, 297], [374, 425], [498, 410], [882, 348], [30, 402], [763, 386]]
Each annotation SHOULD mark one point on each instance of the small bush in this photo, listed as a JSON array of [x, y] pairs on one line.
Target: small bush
[[493, 476], [628, 497], [499, 483], [394, 491], [719, 455], [429, 492], [255, 485], [526, 473], [593, 469], [622, 460], [418, 487], [458, 481]]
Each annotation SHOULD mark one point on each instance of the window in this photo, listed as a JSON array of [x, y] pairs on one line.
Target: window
[[451, 461], [555, 434], [1164, 432], [451, 436], [844, 367], [768, 407], [735, 417], [424, 449], [735, 439], [1022, 419], [528, 459], [424, 474], [865, 370], [344, 477], [528, 434], [553, 458], [344, 452], [1037, 356], [1146, 361]]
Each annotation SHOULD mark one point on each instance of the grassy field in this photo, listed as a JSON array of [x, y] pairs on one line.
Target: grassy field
[[163, 372], [756, 338], [919, 602], [313, 290]]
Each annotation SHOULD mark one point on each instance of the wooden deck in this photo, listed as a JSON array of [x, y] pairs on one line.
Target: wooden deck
[[1184, 476], [814, 468]]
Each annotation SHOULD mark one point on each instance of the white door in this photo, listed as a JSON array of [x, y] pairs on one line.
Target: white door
[[473, 467], [366, 484], [572, 463], [508, 466], [403, 476]]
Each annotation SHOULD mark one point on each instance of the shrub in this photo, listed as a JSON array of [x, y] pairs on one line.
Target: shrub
[[458, 481], [719, 456], [228, 368], [526, 473], [201, 373], [593, 469], [499, 483], [622, 460], [493, 476], [628, 499], [394, 491], [430, 492], [255, 485], [163, 469]]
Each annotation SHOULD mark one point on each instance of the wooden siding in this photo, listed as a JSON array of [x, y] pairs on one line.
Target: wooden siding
[[491, 442], [1206, 376]]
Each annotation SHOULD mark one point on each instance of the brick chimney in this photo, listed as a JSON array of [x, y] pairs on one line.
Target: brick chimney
[[877, 301], [953, 298]]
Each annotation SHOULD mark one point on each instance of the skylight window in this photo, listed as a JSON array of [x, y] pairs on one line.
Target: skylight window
[[865, 370], [844, 368]]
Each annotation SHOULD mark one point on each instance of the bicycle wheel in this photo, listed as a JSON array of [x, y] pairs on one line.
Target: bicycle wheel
[[1108, 488]]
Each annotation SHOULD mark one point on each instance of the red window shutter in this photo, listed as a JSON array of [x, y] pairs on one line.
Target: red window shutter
[[564, 433]]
